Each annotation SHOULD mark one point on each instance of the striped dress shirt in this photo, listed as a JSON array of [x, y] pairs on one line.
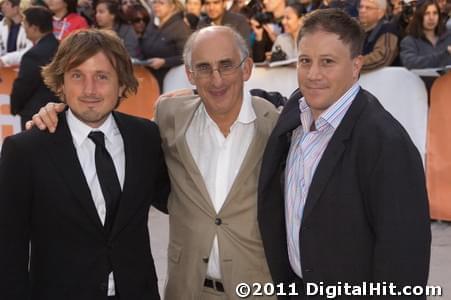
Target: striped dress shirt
[[307, 148]]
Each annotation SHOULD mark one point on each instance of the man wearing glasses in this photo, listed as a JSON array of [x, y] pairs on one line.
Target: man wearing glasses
[[213, 144], [381, 39]]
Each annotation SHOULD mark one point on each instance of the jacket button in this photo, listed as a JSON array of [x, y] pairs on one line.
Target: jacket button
[[205, 260], [308, 270], [218, 221]]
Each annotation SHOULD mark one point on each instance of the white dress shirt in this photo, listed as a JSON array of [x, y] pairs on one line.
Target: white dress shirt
[[219, 159], [86, 155]]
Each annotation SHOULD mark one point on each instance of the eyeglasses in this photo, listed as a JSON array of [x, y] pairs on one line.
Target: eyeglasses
[[137, 20], [225, 68]]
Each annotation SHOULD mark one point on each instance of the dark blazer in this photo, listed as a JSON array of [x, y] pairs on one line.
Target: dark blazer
[[165, 42], [46, 205], [130, 39], [366, 216], [29, 92]]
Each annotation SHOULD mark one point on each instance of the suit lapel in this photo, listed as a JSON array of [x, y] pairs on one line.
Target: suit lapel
[[132, 180], [182, 118], [263, 127], [289, 119], [333, 153], [66, 161], [279, 141]]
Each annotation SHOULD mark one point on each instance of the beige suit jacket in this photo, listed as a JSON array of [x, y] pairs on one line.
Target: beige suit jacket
[[192, 217]]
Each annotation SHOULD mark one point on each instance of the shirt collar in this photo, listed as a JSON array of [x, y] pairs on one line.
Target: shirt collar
[[80, 130], [335, 113], [246, 116]]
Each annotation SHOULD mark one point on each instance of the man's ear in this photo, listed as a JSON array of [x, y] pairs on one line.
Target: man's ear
[[247, 68], [190, 75], [121, 91], [357, 64]]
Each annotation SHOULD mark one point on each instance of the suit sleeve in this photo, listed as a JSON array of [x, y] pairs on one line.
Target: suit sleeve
[[399, 215], [26, 83], [162, 184], [15, 215]]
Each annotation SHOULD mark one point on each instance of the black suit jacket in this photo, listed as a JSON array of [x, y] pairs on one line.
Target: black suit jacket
[[29, 92], [46, 203], [366, 216]]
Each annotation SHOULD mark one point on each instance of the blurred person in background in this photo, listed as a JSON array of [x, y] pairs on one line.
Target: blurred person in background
[[428, 43], [193, 11], [394, 8], [86, 10], [65, 17], [139, 18], [292, 22], [266, 25], [445, 9], [445, 6], [29, 92], [314, 4], [162, 44], [126, 4], [13, 40], [237, 6], [401, 19], [217, 14], [110, 16], [381, 39], [351, 7]]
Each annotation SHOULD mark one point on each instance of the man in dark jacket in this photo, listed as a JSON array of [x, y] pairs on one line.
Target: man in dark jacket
[[381, 39], [217, 14], [341, 197], [74, 204], [29, 91]]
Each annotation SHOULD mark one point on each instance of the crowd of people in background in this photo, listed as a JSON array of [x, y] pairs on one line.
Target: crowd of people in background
[[414, 34]]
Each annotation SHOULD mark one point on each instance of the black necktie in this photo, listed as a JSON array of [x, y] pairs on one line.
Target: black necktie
[[106, 173]]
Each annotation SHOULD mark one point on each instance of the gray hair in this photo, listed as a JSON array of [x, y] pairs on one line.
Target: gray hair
[[237, 38]]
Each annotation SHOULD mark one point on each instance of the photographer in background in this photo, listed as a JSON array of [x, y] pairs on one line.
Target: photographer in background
[[292, 22], [401, 19], [266, 23]]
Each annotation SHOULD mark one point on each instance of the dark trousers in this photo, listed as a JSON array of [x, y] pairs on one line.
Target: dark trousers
[[299, 289]]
